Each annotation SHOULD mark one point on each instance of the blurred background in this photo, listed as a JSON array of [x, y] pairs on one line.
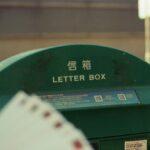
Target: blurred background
[[31, 24]]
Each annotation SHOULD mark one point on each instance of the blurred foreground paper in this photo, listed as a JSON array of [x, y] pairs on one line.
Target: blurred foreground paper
[[28, 123]]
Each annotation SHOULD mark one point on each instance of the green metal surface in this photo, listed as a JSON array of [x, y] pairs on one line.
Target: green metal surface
[[85, 82]]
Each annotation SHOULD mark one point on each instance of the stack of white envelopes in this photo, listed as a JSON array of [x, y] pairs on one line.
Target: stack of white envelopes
[[28, 123]]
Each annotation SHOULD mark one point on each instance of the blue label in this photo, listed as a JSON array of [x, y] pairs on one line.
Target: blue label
[[92, 99]]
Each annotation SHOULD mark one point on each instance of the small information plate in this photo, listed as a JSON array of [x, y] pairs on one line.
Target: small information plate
[[89, 99], [136, 145]]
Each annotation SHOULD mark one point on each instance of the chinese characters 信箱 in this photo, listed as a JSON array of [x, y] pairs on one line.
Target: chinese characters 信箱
[[72, 65]]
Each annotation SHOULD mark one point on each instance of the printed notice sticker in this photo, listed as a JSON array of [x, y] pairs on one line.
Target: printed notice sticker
[[122, 97], [98, 98], [136, 145]]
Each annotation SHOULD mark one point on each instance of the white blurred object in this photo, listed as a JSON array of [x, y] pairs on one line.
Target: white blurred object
[[144, 13], [28, 123], [144, 8]]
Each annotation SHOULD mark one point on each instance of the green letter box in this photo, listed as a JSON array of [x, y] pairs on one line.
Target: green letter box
[[103, 91]]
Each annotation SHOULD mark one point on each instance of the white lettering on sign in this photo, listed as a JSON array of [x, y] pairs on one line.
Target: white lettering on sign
[[70, 78], [86, 64], [97, 77], [78, 78], [72, 65]]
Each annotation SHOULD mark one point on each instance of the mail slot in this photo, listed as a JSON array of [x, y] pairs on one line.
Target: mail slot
[[104, 91]]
